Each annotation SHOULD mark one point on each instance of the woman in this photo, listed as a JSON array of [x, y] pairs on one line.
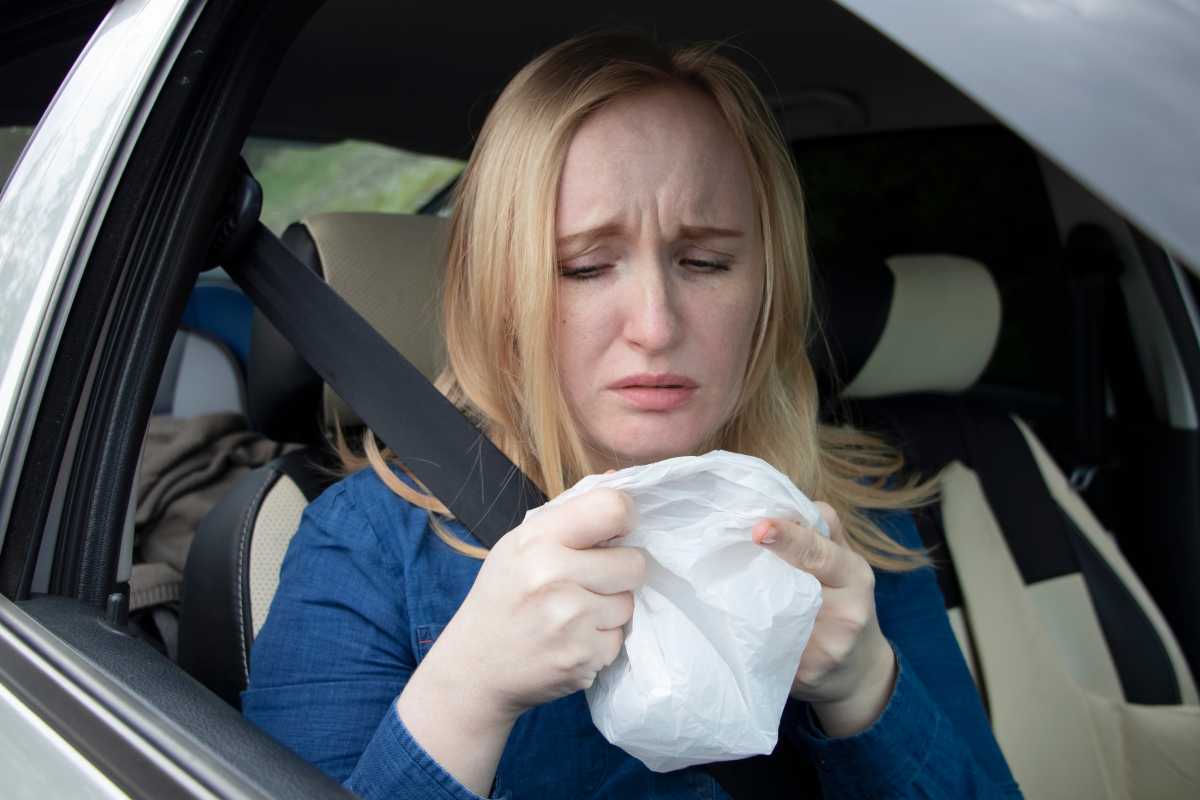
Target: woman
[[626, 281]]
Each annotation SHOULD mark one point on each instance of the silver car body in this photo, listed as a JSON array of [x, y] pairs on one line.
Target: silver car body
[[55, 199]]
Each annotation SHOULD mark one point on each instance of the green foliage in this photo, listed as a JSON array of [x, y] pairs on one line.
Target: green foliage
[[301, 179], [12, 141]]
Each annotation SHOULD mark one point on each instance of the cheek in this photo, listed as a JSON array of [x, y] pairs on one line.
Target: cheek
[[726, 328], [580, 345]]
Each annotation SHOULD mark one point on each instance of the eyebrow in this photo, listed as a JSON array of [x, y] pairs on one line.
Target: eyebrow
[[696, 232]]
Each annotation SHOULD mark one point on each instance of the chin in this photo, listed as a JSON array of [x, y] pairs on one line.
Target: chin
[[647, 446]]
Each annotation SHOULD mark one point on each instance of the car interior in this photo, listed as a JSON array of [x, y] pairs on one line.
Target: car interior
[[979, 307]]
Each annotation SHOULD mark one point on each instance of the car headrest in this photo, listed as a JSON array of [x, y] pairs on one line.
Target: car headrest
[[916, 323], [387, 267]]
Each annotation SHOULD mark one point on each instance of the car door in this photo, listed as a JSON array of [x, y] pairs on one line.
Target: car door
[[96, 260], [104, 223]]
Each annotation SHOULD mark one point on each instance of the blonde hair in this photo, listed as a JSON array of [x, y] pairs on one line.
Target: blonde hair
[[499, 294]]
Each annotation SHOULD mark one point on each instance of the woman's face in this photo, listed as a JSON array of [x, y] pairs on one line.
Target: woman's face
[[661, 274]]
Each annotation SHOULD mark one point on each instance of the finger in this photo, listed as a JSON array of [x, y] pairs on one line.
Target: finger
[[836, 531], [612, 610], [804, 548], [606, 570], [587, 520], [609, 647]]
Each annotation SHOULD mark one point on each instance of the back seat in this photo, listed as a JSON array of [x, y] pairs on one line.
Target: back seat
[[201, 376], [206, 367], [908, 353]]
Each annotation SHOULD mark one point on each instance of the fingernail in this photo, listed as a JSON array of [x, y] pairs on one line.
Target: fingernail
[[769, 536]]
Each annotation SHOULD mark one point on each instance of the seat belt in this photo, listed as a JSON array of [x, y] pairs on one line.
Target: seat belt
[[1090, 272], [460, 466], [1104, 364]]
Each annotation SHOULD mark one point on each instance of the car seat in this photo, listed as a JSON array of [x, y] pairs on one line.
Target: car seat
[[206, 365], [910, 335], [1062, 637], [385, 266]]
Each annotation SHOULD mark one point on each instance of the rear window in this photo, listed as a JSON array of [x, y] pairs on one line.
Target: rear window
[[300, 179]]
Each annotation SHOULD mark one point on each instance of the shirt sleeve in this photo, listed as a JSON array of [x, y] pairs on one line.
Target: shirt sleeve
[[924, 744], [335, 653]]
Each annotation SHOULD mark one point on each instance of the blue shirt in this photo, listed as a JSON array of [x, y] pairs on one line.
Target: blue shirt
[[366, 587]]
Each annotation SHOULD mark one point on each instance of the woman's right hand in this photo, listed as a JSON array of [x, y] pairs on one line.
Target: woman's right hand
[[545, 613], [543, 617]]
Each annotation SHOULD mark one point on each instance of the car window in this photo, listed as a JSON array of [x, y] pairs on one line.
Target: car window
[[12, 142], [300, 179]]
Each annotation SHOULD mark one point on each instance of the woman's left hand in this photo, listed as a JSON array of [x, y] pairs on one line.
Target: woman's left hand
[[848, 668]]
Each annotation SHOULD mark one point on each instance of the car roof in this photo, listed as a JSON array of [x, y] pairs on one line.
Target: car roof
[[1105, 90], [816, 52]]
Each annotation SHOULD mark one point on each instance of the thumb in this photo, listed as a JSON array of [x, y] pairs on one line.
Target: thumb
[[806, 549], [836, 532]]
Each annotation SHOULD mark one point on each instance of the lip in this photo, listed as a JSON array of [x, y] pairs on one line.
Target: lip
[[659, 391]]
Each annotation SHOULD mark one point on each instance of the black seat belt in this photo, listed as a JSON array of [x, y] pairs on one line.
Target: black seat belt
[[480, 486], [1089, 277], [1103, 356]]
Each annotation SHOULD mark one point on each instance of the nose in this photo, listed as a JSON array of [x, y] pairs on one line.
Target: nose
[[652, 322]]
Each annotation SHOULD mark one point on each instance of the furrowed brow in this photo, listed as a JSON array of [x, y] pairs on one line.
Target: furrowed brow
[[698, 232], [691, 232], [598, 232]]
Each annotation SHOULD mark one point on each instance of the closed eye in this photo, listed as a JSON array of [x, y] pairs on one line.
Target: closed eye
[[587, 271], [707, 266], [583, 272]]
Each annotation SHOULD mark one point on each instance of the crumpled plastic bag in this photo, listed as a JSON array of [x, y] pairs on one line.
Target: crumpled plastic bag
[[719, 627]]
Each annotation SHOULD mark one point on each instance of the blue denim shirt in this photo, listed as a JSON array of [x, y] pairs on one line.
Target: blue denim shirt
[[366, 587]]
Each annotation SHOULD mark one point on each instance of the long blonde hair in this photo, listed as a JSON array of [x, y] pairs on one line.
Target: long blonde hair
[[499, 294]]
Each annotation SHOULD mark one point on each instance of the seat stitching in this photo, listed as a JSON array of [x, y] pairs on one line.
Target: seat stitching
[[242, 583]]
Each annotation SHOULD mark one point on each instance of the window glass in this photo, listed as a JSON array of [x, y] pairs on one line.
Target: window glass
[[300, 179], [12, 142]]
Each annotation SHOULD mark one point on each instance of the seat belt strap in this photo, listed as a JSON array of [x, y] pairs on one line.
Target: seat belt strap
[[463, 469], [1090, 272]]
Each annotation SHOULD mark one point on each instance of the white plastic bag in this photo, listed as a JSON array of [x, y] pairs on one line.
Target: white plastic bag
[[719, 627]]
